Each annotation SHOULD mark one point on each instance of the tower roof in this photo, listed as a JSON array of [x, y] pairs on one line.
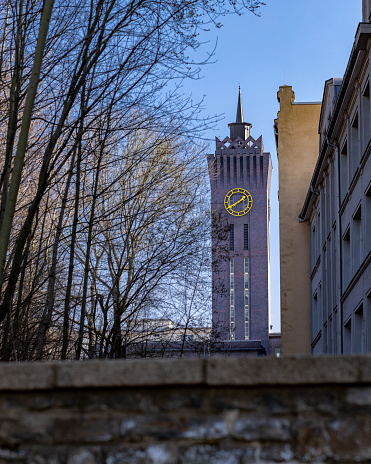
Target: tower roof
[[240, 128], [239, 115]]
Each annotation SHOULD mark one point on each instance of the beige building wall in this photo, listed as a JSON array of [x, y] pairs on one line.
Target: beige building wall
[[297, 143]]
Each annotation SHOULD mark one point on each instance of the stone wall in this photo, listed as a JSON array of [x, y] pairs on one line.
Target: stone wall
[[216, 410]]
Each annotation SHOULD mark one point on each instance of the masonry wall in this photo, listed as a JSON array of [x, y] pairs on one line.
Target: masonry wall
[[297, 141], [220, 411]]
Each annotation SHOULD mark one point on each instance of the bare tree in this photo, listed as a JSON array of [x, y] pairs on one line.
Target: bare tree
[[80, 82]]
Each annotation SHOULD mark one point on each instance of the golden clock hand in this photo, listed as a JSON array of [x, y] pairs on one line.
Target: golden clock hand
[[234, 204]]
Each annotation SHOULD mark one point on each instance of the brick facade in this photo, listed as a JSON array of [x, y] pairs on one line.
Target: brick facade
[[240, 162]]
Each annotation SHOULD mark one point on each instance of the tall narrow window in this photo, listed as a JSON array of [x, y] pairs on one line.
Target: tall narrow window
[[347, 342], [357, 240], [313, 246], [354, 146], [368, 220], [359, 331], [316, 313], [231, 237], [344, 171], [368, 323], [245, 236], [366, 117], [334, 270], [246, 298], [221, 171], [346, 259], [231, 291]]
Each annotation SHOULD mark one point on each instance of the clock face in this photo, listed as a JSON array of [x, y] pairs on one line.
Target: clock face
[[238, 202]]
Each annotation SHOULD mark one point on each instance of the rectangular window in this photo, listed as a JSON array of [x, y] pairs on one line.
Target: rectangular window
[[313, 246], [318, 236], [366, 116], [359, 333], [241, 168], [232, 308], [368, 323], [231, 237], [368, 221], [330, 338], [334, 268], [354, 146], [347, 344], [325, 314], [344, 171], [357, 240], [346, 259], [246, 298], [314, 316], [245, 236], [335, 332], [324, 338]]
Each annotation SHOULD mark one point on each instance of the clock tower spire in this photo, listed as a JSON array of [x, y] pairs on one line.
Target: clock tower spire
[[240, 178], [239, 115], [240, 128]]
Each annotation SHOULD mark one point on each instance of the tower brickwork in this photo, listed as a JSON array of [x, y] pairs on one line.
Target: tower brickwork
[[240, 179]]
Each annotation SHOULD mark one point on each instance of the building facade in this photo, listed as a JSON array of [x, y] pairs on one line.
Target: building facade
[[240, 179], [338, 209], [296, 135]]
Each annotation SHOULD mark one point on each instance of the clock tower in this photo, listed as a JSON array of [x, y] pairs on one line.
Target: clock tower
[[240, 178]]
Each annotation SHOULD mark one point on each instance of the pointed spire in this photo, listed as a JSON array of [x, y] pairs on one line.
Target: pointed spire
[[240, 128], [239, 115]]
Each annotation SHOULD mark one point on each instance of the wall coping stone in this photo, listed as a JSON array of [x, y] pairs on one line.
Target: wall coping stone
[[234, 372]]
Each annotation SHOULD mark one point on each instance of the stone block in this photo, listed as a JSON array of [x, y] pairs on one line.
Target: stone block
[[298, 370], [202, 454], [82, 456], [152, 454], [360, 397], [346, 439], [83, 430], [27, 376], [130, 373], [175, 426], [252, 428], [277, 453]]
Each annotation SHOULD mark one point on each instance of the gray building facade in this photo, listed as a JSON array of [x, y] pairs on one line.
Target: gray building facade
[[338, 209]]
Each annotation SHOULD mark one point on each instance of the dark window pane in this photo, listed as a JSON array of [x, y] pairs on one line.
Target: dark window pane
[[231, 237]]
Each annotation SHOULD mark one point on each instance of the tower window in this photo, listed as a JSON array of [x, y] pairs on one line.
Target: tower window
[[246, 298], [231, 237], [231, 290], [245, 236]]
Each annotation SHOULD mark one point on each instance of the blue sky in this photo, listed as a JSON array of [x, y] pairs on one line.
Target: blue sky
[[294, 42]]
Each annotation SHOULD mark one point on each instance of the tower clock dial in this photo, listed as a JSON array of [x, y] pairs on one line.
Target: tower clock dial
[[238, 202]]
